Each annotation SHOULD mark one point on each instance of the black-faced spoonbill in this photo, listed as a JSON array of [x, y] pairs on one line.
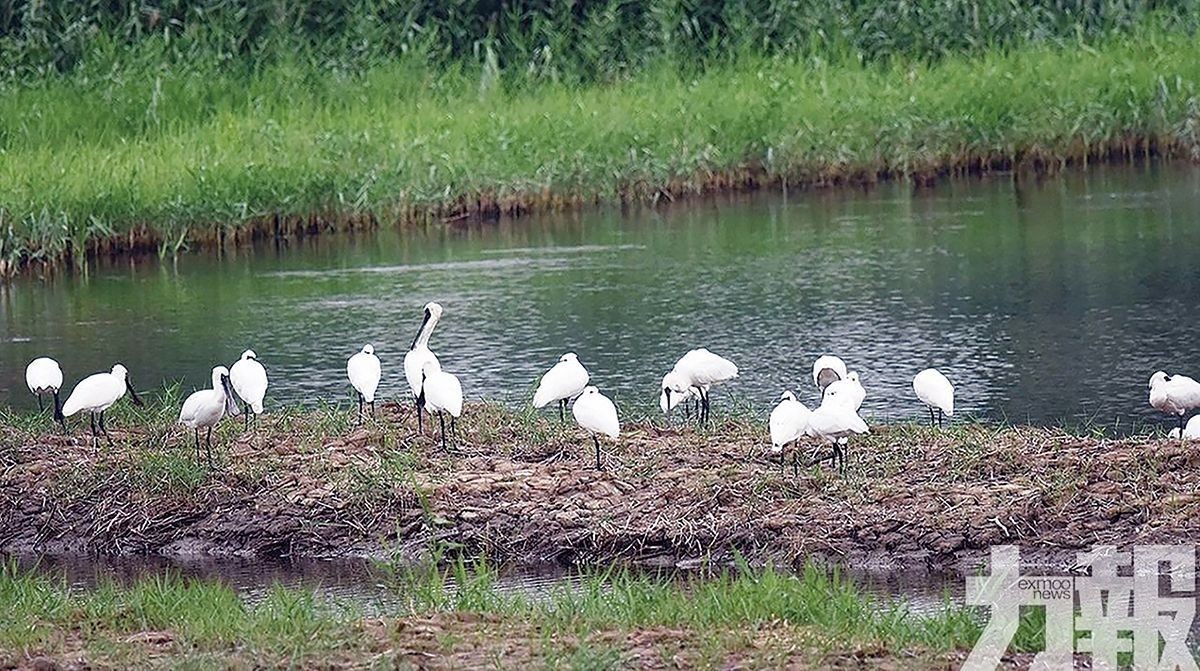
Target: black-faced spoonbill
[[788, 423], [249, 380], [564, 381], [827, 369], [935, 391], [699, 369], [833, 421], [44, 376], [419, 354], [443, 393], [847, 391], [1174, 395], [596, 414], [364, 372], [96, 393], [1190, 432], [205, 408]]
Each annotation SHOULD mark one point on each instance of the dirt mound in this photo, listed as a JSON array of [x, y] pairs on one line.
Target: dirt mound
[[519, 487]]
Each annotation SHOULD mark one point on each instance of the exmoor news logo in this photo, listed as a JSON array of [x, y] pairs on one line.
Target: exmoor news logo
[[1127, 609]]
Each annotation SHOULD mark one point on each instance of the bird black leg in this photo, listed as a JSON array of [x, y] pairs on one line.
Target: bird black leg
[[197, 432], [941, 417], [1181, 427], [420, 407], [95, 438], [562, 411], [104, 430], [208, 446], [372, 409], [41, 408], [360, 408], [442, 421], [930, 407], [596, 441]]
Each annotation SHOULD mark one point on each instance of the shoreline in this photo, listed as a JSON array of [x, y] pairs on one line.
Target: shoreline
[[520, 489]]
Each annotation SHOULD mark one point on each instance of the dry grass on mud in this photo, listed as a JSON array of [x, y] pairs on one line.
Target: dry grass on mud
[[519, 486]]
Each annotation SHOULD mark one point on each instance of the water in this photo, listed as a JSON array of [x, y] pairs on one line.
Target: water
[[1044, 301]]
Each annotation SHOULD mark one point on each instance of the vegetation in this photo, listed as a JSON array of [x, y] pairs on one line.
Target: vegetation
[[761, 616], [126, 127]]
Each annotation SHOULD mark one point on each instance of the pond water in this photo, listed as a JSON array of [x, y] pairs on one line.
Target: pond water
[[1045, 301]]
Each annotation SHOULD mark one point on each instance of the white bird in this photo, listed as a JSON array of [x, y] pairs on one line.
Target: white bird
[[788, 423], [205, 408], [832, 422], [364, 372], [1174, 395], [827, 369], [847, 391], [667, 402], [249, 380], [935, 391], [596, 414], [565, 380], [443, 393], [44, 376], [419, 354], [698, 370], [95, 394], [1190, 432]]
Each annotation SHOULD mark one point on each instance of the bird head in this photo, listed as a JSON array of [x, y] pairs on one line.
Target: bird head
[[1158, 378], [569, 356], [787, 395], [249, 354], [368, 349]]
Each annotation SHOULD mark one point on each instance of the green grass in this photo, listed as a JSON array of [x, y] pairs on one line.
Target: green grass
[[145, 154], [726, 609]]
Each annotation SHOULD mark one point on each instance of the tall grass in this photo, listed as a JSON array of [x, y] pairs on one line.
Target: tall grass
[[150, 156]]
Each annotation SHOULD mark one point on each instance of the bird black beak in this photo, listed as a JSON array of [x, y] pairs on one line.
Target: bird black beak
[[231, 406], [418, 336], [667, 393], [133, 393]]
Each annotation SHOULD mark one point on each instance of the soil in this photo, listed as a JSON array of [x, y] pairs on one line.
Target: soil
[[519, 489]]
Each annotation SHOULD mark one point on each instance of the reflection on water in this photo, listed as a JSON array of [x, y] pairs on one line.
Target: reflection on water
[[1045, 301]]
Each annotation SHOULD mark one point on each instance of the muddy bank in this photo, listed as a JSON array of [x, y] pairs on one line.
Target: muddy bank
[[523, 489]]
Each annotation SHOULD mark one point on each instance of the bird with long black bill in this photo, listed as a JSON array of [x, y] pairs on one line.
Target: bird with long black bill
[[696, 372], [95, 394], [564, 381], [596, 414], [418, 355], [205, 408]]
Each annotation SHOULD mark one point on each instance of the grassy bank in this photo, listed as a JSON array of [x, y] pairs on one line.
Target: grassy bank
[[144, 157], [519, 486], [457, 618]]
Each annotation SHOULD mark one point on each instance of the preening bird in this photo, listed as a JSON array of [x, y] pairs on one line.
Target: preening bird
[[443, 393], [936, 392], [96, 393], [827, 369], [832, 422], [1190, 432], [565, 380], [596, 414], [698, 370], [847, 391], [205, 408], [788, 423], [44, 376], [419, 354], [249, 380], [364, 372], [1174, 395]]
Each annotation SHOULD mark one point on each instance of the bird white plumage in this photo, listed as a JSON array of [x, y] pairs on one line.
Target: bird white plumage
[[699, 370], [364, 372], [833, 422], [828, 369], [1174, 395], [419, 354], [203, 409], [249, 380], [44, 376], [1190, 432], [443, 393], [847, 391], [98, 392], [935, 391], [788, 422], [595, 413], [565, 380]]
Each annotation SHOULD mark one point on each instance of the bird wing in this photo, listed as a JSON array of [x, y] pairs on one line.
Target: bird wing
[[564, 380], [92, 391], [789, 421], [704, 367], [934, 389], [414, 361], [249, 380], [364, 372]]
